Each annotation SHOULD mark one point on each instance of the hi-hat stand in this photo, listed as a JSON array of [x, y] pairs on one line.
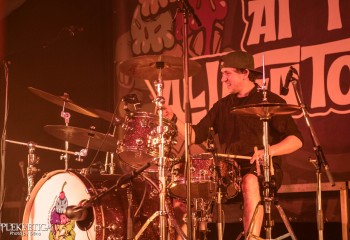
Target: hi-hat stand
[[265, 111]]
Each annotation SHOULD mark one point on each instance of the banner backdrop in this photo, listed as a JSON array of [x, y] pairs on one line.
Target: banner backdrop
[[312, 36]]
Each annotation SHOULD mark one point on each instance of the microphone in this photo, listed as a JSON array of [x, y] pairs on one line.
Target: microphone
[[285, 89], [78, 212]]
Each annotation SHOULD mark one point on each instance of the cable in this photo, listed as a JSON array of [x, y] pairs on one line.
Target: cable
[[104, 139], [3, 142]]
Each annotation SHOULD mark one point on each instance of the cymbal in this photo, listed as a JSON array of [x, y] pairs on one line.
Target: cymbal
[[81, 137], [266, 109], [62, 101], [145, 67], [108, 116]]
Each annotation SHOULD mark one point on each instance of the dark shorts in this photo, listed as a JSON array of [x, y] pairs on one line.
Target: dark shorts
[[251, 168], [278, 176]]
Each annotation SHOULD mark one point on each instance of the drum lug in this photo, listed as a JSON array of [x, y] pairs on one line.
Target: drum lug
[[113, 237], [139, 142], [144, 123]]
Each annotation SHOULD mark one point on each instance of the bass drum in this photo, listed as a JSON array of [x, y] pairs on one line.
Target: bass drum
[[45, 218]]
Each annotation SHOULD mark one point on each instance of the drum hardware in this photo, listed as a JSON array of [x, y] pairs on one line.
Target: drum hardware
[[320, 160], [156, 68], [65, 102], [88, 138], [265, 111], [33, 160], [80, 212], [212, 149], [109, 165], [131, 99], [201, 216]]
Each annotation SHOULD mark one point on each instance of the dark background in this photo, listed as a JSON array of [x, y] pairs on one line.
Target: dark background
[[57, 47]]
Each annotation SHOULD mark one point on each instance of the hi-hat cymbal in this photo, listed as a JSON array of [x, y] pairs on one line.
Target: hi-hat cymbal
[[146, 67], [81, 137], [62, 101], [266, 109]]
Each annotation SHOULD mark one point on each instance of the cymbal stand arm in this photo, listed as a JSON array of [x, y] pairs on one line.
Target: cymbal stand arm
[[31, 169], [66, 116]]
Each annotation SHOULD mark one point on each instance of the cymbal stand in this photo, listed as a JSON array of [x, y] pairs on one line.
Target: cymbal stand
[[268, 182], [161, 130], [320, 157], [33, 160], [66, 117]]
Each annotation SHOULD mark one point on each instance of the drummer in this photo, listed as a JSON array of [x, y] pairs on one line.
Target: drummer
[[243, 135]]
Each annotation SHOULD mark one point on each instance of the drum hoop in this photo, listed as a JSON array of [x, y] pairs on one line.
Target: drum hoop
[[148, 115], [98, 213]]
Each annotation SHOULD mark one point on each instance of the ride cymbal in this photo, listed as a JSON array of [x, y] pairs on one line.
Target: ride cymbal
[[83, 137], [148, 66], [62, 101], [266, 109]]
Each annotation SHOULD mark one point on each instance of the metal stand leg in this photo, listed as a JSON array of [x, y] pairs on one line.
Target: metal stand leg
[[269, 221]]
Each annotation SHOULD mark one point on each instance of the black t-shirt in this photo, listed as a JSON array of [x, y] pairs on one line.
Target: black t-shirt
[[238, 134]]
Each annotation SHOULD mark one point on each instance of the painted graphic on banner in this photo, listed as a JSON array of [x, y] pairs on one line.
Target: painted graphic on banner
[[312, 36]]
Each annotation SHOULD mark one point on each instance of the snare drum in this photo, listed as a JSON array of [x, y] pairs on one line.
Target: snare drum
[[106, 219], [140, 139], [204, 178]]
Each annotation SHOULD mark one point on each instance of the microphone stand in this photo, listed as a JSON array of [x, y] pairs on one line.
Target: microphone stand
[[187, 11], [318, 163], [87, 203]]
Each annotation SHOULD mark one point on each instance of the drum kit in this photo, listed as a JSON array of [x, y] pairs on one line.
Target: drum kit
[[101, 204]]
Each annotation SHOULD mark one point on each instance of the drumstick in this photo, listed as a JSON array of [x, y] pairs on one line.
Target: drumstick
[[153, 93], [233, 156], [150, 88]]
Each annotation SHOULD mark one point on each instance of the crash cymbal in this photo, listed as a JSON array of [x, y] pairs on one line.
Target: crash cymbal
[[81, 137], [108, 116], [266, 109], [62, 101], [145, 67]]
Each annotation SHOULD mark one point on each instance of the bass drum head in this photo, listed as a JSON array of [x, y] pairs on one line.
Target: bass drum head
[[44, 214]]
